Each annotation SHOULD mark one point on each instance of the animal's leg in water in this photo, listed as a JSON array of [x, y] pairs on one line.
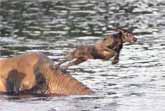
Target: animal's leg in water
[[116, 56], [74, 62]]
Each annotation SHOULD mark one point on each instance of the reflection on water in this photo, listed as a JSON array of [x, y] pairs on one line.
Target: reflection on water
[[55, 27], [47, 18]]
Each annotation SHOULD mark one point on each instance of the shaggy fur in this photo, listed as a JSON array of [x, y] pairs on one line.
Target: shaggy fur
[[104, 49], [34, 73]]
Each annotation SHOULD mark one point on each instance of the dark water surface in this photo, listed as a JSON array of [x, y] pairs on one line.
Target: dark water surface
[[55, 27]]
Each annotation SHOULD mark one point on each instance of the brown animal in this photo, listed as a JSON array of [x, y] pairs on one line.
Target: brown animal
[[34, 73], [104, 49]]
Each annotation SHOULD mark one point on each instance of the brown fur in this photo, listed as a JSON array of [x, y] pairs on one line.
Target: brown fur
[[104, 49], [34, 73]]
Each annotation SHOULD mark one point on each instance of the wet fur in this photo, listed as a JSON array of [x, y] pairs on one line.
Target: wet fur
[[34, 73], [105, 49]]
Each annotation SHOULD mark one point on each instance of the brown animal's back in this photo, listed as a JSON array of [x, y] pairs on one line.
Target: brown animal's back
[[61, 83], [82, 52], [35, 73]]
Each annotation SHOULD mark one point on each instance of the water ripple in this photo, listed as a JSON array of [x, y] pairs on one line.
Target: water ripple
[[56, 27]]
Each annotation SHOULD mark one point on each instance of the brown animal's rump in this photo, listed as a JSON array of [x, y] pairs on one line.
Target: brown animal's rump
[[104, 49], [34, 73]]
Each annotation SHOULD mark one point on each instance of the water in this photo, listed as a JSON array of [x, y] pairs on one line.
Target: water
[[55, 27]]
